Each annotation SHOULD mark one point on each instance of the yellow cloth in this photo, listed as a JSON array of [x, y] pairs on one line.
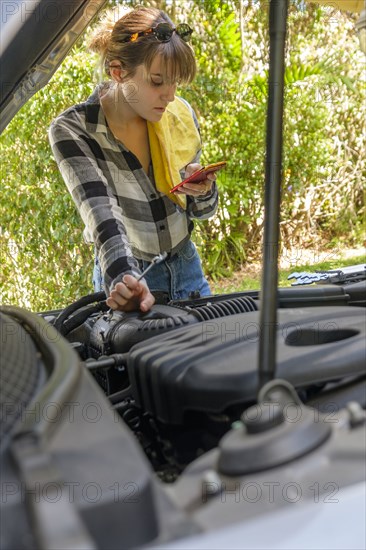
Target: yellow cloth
[[174, 143]]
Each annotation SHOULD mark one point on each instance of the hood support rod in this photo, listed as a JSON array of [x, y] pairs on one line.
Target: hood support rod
[[278, 11]]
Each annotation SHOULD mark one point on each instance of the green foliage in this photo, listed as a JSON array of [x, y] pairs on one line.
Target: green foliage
[[45, 262], [323, 82]]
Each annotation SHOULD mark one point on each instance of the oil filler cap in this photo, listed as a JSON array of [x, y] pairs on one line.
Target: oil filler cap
[[260, 418], [276, 431]]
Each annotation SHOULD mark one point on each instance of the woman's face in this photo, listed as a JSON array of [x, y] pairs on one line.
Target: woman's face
[[147, 95]]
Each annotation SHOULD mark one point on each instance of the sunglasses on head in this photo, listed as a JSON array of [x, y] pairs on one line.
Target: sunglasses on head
[[163, 32]]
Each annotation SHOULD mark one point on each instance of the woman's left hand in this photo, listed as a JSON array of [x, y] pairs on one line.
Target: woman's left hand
[[197, 189]]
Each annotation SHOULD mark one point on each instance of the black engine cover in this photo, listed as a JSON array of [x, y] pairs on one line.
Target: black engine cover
[[213, 365]]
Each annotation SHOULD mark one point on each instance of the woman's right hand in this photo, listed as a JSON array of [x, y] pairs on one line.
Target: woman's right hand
[[130, 295]]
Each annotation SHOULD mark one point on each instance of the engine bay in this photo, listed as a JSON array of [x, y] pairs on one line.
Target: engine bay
[[137, 430], [181, 375]]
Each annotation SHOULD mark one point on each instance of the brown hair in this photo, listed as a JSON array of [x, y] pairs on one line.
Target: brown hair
[[177, 56]]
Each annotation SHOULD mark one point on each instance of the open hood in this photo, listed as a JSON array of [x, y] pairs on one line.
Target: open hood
[[35, 36]]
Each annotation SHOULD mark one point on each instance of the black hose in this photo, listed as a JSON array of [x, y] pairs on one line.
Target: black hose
[[119, 396], [241, 304], [82, 302], [115, 360], [81, 316]]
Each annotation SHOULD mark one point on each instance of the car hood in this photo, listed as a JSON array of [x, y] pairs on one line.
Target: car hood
[[35, 37]]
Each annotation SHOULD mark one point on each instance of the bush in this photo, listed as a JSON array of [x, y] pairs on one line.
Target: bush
[[45, 262], [323, 164]]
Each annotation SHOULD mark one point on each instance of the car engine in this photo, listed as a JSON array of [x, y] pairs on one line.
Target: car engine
[[181, 418], [180, 392]]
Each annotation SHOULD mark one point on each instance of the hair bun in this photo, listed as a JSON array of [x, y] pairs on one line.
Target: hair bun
[[100, 38]]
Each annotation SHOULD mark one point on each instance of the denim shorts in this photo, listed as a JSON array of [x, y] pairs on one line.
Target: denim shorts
[[178, 276]]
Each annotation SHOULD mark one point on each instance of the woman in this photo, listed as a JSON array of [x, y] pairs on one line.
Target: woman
[[122, 151]]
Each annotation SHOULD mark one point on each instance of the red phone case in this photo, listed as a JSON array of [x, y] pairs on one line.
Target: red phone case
[[200, 174]]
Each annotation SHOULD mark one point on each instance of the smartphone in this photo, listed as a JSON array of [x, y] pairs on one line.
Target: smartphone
[[201, 174]]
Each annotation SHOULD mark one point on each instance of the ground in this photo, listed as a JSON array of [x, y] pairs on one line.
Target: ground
[[305, 259]]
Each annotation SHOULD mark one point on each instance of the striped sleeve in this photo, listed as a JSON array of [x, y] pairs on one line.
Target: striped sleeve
[[201, 208], [94, 199]]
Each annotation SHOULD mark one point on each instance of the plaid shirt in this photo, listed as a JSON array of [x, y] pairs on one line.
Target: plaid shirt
[[124, 214]]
